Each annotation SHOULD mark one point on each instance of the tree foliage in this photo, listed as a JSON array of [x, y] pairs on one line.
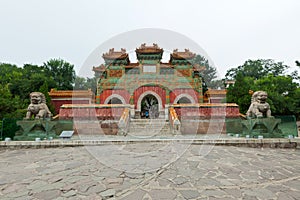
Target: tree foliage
[[17, 83], [9, 105], [85, 83], [267, 75], [209, 73], [62, 72], [257, 69]]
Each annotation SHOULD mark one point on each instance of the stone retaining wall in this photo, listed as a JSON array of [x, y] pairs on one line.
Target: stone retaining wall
[[242, 142]]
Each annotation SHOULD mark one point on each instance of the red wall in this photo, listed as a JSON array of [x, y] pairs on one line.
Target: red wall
[[176, 92], [58, 103], [107, 93], [208, 111], [93, 112]]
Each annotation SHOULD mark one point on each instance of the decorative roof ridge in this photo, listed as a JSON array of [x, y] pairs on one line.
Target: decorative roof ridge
[[112, 54], [186, 54], [216, 91], [54, 92], [149, 49]]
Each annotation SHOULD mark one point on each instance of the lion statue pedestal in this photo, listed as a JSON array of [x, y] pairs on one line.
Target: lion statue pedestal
[[259, 119], [37, 123]]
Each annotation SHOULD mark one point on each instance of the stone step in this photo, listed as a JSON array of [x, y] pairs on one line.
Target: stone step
[[149, 127], [151, 131], [147, 120], [132, 128], [147, 133]]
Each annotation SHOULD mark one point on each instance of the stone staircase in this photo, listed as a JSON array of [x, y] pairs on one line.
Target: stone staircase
[[149, 127]]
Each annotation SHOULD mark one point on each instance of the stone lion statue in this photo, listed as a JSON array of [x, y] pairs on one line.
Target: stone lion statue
[[38, 107], [259, 108]]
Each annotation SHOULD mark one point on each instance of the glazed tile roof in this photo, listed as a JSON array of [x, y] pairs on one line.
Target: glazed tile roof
[[101, 68], [71, 93], [112, 54], [149, 49], [216, 92], [186, 54]]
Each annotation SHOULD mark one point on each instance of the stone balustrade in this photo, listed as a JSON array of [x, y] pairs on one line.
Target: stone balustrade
[[174, 121]]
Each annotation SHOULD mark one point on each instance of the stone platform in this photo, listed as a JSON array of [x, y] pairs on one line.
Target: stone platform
[[223, 140], [152, 170]]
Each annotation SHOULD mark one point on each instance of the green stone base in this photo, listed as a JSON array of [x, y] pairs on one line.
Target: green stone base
[[32, 137], [39, 128], [267, 127]]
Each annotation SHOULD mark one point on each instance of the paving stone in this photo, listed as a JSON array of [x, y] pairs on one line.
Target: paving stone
[[134, 175], [247, 197], [189, 194], [137, 194], [20, 193], [55, 179], [70, 193], [163, 194], [213, 193], [294, 194], [260, 193], [108, 194], [37, 184], [47, 195], [236, 193], [83, 186], [179, 180], [113, 181], [96, 189], [73, 165], [68, 187], [285, 196], [224, 173], [164, 182], [221, 198]]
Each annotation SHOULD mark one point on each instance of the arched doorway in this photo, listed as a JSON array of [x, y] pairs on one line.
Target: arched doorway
[[114, 100], [149, 107], [184, 100]]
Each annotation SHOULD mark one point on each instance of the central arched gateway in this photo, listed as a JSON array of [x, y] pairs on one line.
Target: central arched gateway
[[149, 107], [150, 101]]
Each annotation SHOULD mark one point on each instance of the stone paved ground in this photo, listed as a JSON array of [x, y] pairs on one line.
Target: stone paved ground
[[150, 171]]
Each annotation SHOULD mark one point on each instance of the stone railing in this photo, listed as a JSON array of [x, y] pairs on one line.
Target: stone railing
[[174, 121], [92, 111], [97, 119], [124, 122], [206, 118], [207, 110]]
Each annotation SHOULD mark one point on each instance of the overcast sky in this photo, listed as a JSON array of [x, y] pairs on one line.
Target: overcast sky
[[230, 31]]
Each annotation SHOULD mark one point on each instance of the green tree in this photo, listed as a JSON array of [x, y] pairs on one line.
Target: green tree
[[45, 89], [239, 92], [10, 106], [267, 75], [209, 73], [79, 83], [281, 93], [85, 83], [62, 72], [32, 78], [257, 69], [9, 72]]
